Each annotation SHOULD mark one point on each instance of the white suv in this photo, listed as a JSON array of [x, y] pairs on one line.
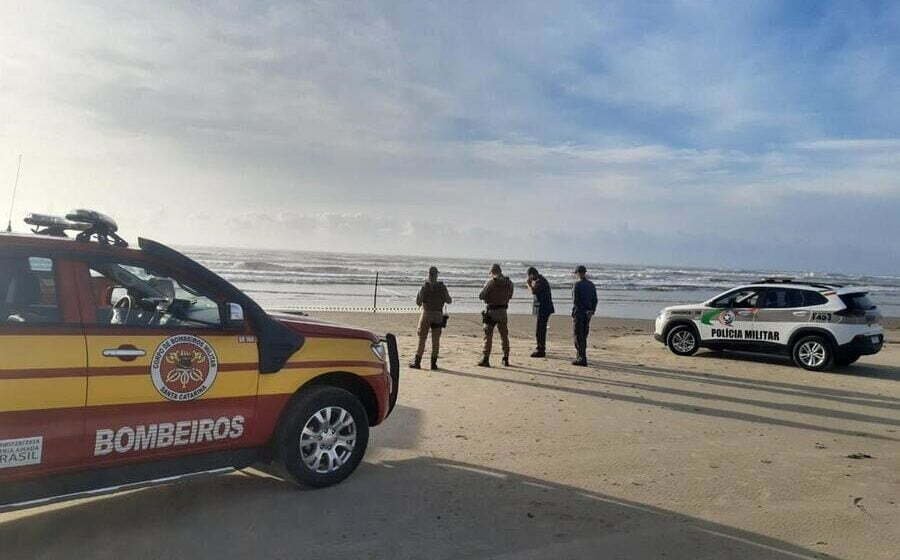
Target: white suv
[[818, 325]]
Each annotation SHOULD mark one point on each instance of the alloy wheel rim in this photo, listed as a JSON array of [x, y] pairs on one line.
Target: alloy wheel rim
[[683, 341], [327, 440], [812, 353]]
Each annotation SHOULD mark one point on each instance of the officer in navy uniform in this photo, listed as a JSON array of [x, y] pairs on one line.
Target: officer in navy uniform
[[543, 308], [584, 305]]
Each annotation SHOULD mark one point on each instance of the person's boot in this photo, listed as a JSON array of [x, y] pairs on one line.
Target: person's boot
[[416, 363], [434, 362], [581, 362], [485, 362], [538, 354], [505, 361]]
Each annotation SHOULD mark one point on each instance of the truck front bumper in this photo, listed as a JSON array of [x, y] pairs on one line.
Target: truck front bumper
[[393, 370]]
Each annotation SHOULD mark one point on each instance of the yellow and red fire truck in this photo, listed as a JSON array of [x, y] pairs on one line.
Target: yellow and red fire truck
[[122, 365]]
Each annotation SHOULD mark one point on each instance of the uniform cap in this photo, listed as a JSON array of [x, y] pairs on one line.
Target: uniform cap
[[580, 269], [432, 271], [495, 269]]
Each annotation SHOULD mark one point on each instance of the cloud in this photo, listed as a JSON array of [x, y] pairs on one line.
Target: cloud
[[477, 129]]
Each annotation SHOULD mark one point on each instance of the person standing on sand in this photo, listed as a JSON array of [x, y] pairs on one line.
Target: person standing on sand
[[543, 308], [584, 305], [431, 298], [496, 295]]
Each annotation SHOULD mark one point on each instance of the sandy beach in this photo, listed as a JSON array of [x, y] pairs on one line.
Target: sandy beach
[[641, 455]]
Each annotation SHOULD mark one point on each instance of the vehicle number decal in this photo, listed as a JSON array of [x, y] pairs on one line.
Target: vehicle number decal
[[21, 452], [823, 317], [183, 367]]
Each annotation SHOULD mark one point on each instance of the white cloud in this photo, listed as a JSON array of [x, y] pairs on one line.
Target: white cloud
[[358, 122]]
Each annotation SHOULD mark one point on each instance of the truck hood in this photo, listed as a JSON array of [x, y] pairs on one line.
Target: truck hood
[[309, 327]]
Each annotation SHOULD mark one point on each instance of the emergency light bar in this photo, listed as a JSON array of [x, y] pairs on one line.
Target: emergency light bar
[[55, 226], [94, 218], [100, 226]]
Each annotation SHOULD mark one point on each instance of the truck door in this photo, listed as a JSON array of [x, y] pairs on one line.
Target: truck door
[[43, 368], [168, 374]]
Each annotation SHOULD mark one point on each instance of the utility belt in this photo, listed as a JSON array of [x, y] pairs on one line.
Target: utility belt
[[442, 323], [486, 314]]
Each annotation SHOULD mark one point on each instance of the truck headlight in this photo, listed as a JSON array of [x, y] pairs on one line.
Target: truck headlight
[[380, 351]]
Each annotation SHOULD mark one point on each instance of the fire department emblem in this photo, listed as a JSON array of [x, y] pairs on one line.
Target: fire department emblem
[[183, 367]]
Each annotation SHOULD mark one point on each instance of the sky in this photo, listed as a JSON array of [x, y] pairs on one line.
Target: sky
[[733, 134]]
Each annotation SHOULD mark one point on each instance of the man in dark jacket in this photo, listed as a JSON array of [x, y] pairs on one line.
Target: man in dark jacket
[[496, 295], [584, 305], [431, 298], [543, 308]]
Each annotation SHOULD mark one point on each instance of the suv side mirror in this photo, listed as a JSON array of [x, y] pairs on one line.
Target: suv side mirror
[[234, 316]]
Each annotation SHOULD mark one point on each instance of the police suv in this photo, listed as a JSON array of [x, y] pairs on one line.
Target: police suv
[[818, 325], [124, 365]]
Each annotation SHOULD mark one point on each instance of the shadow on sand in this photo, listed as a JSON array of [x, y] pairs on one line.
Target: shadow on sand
[[417, 508], [690, 408], [859, 369]]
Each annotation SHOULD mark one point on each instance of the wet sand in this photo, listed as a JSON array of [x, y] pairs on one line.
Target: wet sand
[[641, 455]]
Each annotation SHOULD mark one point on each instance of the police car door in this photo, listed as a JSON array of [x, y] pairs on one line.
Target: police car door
[[780, 311], [43, 375], [168, 374], [732, 318]]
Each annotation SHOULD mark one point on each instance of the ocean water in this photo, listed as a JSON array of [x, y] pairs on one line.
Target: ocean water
[[297, 280]]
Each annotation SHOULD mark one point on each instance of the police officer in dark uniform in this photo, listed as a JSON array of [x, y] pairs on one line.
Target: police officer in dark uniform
[[431, 298], [584, 305], [543, 308]]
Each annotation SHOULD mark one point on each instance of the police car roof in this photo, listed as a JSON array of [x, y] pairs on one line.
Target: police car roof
[[838, 289]]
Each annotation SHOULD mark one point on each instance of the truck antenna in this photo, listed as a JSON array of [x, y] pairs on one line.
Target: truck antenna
[[12, 203]]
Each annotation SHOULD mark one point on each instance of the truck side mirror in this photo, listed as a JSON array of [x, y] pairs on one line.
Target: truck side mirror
[[234, 316]]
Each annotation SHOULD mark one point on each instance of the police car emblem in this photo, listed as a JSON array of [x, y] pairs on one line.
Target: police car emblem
[[727, 317], [184, 367]]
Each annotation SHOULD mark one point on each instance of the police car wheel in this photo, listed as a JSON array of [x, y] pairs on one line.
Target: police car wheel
[[813, 353], [683, 340], [323, 436]]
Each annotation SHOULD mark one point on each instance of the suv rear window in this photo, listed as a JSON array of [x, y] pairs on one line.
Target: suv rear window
[[858, 302], [813, 298]]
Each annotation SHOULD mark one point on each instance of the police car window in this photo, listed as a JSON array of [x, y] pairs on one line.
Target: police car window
[[782, 298], [813, 298], [134, 296], [28, 291], [738, 298]]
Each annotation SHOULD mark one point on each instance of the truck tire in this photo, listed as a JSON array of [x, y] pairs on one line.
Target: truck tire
[[323, 436], [683, 340], [813, 353]]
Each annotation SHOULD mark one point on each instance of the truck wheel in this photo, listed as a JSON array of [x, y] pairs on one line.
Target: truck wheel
[[323, 436], [683, 340], [813, 353]]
